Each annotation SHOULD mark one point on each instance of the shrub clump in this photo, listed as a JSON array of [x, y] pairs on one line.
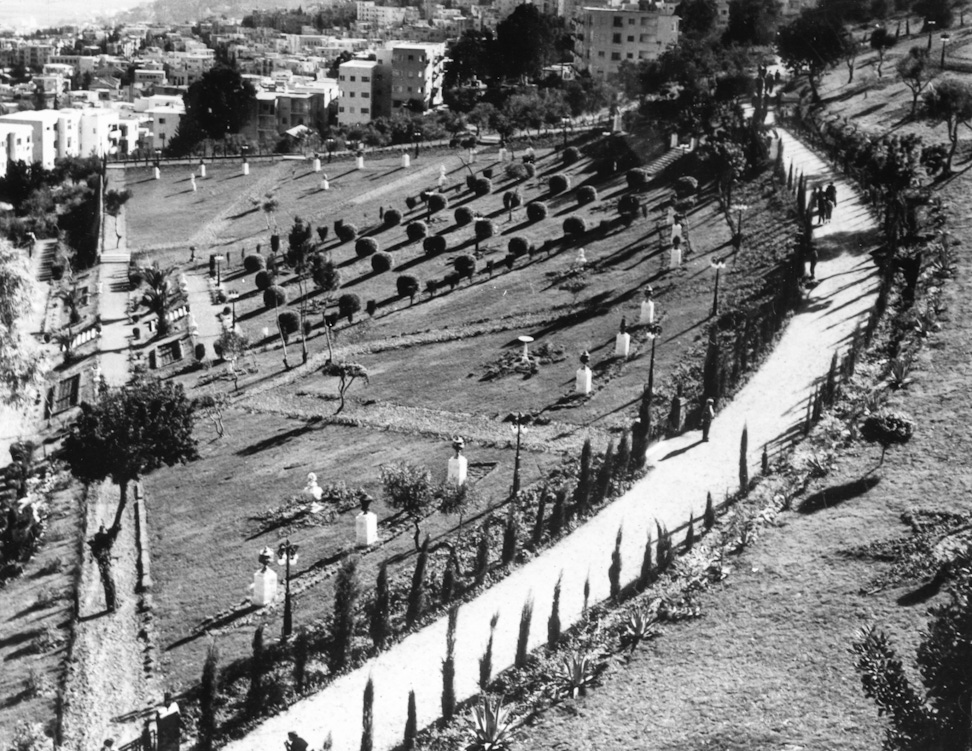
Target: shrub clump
[[289, 322], [274, 296], [392, 218], [349, 304], [482, 186], [518, 246], [571, 155], [629, 206], [464, 216], [465, 266], [437, 202], [381, 262], [586, 194], [263, 279], [558, 184], [575, 225], [365, 246], [416, 230], [434, 245], [536, 211], [345, 232], [407, 286], [637, 178], [686, 186], [253, 263]]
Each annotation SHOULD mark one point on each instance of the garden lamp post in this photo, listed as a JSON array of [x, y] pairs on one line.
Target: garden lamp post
[[218, 258], [738, 234], [287, 554], [233, 295], [653, 332], [931, 26], [416, 139], [518, 426], [944, 37], [718, 264], [330, 149], [563, 124], [158, 157]]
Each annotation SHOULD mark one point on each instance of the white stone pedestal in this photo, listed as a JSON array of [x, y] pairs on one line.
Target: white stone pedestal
[[317, 165], [582, 383], [264, 587], [675, 259], [673, 141], [677, 231], [457, 470], [202, 170], [193, 181], [325, 184], [647, 312], [503, 155], [365, 529], [622, 344], [406, 161], [158, 174], [359, 163], [246, 168]]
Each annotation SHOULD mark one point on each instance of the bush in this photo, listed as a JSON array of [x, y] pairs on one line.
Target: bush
[[392, 218], [464, 216], [536, 211], [485, 229], [274, 296], [488, 172], [571, 155], [686, 186], [407, 286], [411, 202], [518, 246], [416, 230], [637, 178], [434, 245], [586, 194], [345, 232], [437, 202], [629, 206], [322, 232], [365, 246], [684, 205], [482, 186], [200, 351], [512, 199], [371, 308], [135, 277], [465, 266], [263, 279], [381, 262], [349, 304], [253, 263], [516, 171], [289, 322], [575, 225], [531, 169], [558, 184]]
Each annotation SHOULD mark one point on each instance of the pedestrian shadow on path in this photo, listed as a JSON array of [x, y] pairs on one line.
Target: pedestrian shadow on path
[[679, 452]]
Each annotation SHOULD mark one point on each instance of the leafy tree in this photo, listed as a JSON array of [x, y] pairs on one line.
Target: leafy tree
[[159, 295], [526, 41], [752, 22], [881, 41], [938, 12], [409, 489], [327, 278], [949, 102], [471, 57], [232, 345], [114, 201], [914, 72], [219, 103], [698, 17], [346, 373], [813, 42], [852, 49]]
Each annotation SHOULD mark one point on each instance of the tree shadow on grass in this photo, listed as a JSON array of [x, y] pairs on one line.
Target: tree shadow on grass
[[276, 441], [837, 494]]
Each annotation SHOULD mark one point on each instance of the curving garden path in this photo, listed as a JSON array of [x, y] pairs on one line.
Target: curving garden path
[[683, 469]]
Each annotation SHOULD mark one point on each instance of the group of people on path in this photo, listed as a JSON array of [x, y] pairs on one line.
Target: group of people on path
[[822, 203]]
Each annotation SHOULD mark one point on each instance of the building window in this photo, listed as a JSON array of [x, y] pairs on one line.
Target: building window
[[351, 95], [630, 38], [618, 22], [616, 39], [364, 110], [365, 95], [161, 121], [352, 78], [411, 58], [601, 53], [365, 79], [631, 21], [340, 109], [615, 55], [631, 55]]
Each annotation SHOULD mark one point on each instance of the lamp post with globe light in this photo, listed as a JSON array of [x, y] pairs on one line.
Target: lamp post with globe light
[[718, 264], [233, 295], [287, 554]]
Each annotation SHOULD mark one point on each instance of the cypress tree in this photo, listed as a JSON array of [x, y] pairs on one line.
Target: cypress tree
[[622, 463], [764, 463], [587, 592], [582, 492], [602, 486], [510, 534], [614, 570], [831, 389], [346, 591], [449, 668], [644, 578], [258, 665], [448, 591], [482, 555], [208, 696], [641, 434], [523, 637], [538, 522], [557, 516], [416, 595], [486, 661], [301, 656], [743, 464], [378, 626], [789, 178], [665, 552], [817, 404], [553, 622], [411, 724], [368, 717], [710, 367], [690, 534], [709, 519]]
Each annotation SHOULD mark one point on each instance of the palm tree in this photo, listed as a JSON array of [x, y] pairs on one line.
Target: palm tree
[[157, 277], [157, 300], [72, 299]]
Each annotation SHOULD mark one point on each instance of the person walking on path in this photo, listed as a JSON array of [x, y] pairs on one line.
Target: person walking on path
[[812, 255], [708, 412], [828, 209], [831, 193], [295, 742]]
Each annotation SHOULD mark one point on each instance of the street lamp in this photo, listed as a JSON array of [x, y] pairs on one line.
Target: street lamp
[[518, 426], [738, 235], [718, 264], [563, 124], [287, 554], [945, 37], [233, 295], [330, 149], [931, 25], [219, 279], [416, 138], [651, 334]]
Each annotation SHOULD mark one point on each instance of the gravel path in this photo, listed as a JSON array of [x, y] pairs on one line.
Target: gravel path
[[682, 471]]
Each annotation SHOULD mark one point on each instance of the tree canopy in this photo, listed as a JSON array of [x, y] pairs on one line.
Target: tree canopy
[[752, 22], [527, 40], [219, 103], [21, 365], [812, 42], [949, 102]]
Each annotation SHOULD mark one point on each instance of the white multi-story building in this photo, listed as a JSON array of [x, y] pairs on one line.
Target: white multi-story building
[[609, 36], [365, 89], [379, 16], [68, 133], [43, 125], [98, 131], [417, 70], [16, 143]]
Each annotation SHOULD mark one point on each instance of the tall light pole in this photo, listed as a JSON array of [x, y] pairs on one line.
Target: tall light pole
[[519, 422], [945, 37], [737, 236], [931, 25], [563, 124], [653, 332], [718, 264], [287, 554], [416, 139], [219, 277], [233, 295]]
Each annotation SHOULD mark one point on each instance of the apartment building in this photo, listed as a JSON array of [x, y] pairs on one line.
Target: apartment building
[[43, 126], [609, 36], [365, 87], [416, 70], [16, 143], [379, 16]]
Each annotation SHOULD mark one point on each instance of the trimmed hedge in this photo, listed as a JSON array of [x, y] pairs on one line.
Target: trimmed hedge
[[437, 202], [629, 206], [407, 285], [571, 155], [464, 215], [434, 245], [531, 169], [263, 279], [482, 186], [365, 246], [274, 296], [345, 232], [416, 230], [465, 265], [485, 229], [349, 304], [586, 194], [392, 218], [253, 263], [488, 172], [289, 322], [512, 199], [558, 184], [575, 225], [638, 178], [536, 211], [518, 246], [686, 186], [381, 262]]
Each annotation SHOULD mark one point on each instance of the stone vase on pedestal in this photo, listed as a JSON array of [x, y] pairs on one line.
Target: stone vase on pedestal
[[359, 163], [583, 380], [622, 344], [365, 529], [246, 168], [202, 170], [264, 587], [406, 161], [158, 174], [647, 312], [457, 469], [317, 164]]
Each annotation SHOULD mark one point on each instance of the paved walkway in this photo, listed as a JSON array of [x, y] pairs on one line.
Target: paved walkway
[[113, 301], [682, 471]]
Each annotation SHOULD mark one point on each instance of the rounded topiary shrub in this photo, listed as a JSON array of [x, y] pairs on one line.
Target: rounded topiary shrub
[[686, 186], [345, 232], [365, 246], [200, 351], [416, 230], [392, 218], [470, 181], [518, 246], [482, 186], [586, 194], [289, 322], [349, 304], [684, 205], [531, 169], [371, 307], [629, 206], [381, 262], [571, 155], [411, 202], [434, 245], [263, 279], [536, 211], [558, 184], [464, 215], [407, 285], [575, 225], [512, 199], [465, 265], [488, 172], [274, 296], [485, 229], [57, 271], [437, 202], [637, 178], [253, 263]]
